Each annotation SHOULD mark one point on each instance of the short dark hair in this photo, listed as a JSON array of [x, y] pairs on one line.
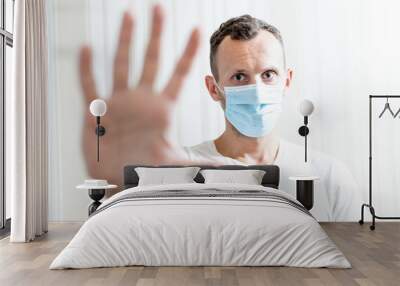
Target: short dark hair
[[242, 28]]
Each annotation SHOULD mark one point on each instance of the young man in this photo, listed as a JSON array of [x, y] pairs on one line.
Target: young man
[[249, 78], [247, 61]]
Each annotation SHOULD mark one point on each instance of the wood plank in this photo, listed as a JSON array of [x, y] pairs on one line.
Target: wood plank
[[375, 257]]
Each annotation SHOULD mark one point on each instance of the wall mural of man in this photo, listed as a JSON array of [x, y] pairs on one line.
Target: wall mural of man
[[249, 80]]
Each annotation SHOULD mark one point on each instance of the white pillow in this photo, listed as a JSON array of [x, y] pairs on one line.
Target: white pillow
[[162, 176], [248, 177]]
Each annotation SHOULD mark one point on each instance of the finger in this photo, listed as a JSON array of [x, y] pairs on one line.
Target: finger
[[183, 66], [150, 66], [86, 75], [121, 62]]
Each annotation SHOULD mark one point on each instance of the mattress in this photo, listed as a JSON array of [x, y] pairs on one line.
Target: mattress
[[201, 225]]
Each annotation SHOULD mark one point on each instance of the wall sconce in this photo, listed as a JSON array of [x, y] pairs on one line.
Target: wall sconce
[[98, 108]]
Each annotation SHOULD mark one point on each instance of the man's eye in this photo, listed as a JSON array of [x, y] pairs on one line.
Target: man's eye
[[239, 77], [269, 75]]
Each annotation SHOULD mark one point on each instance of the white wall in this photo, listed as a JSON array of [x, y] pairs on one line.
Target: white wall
[[67, 25], [341, 51]]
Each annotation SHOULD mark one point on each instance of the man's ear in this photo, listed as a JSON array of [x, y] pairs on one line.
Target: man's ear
[[289, 76], [212, 88]]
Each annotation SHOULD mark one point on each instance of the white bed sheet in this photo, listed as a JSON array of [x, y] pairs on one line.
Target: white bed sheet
[[193, 231]]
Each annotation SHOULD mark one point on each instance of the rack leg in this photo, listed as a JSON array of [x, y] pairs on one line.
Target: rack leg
[[361, 221], [372, 210]]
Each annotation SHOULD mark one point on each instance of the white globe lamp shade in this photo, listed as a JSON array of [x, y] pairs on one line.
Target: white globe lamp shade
[[306, 107], [98, 107]]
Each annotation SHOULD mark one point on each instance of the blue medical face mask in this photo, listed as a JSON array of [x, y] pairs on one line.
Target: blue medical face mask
[[253, 109]]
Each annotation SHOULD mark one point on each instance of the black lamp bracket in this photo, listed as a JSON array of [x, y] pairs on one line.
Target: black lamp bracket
[[303, 130], [100, 130]]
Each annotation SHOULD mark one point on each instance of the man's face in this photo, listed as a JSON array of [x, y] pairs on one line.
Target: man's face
[[247, 62]]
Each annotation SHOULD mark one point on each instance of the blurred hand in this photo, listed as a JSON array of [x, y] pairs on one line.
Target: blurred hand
[[137, 117]]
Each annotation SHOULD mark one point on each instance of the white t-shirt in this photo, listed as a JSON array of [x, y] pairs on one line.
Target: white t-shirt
[[336, 195]]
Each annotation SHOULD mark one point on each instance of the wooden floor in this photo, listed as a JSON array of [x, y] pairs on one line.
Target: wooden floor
[[375, 257]]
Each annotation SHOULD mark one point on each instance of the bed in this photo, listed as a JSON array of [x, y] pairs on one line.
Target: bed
[[201, 224]]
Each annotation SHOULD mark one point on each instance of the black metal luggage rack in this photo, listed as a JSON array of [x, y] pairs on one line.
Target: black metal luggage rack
[[387, 108]]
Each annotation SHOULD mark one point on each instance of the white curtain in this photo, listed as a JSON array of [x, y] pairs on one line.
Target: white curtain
[[27, 123]]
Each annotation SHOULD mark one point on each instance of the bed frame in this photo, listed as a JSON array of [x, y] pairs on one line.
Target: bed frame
[[270, 179]]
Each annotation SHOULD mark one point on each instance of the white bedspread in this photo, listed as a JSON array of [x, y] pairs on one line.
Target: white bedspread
[[200, 231]]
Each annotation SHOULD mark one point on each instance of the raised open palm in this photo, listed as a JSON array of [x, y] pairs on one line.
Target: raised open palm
[[137, 117]]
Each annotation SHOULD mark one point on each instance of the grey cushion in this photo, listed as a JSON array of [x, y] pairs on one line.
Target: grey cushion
[[270, 179]]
